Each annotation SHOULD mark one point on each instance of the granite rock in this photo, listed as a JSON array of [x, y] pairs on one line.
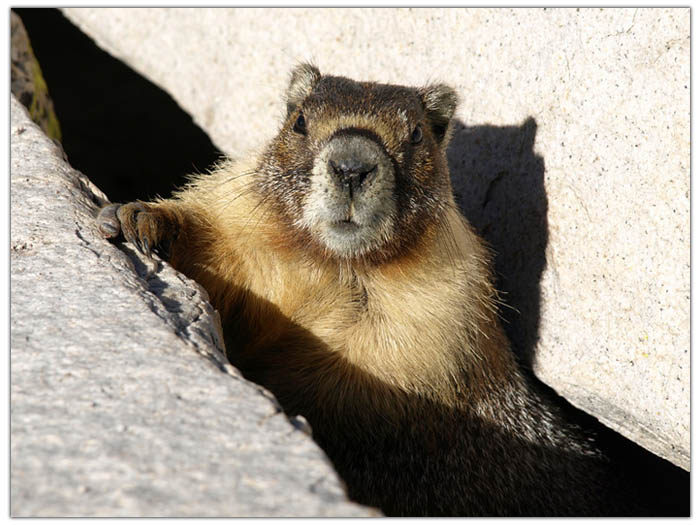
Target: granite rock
[[571, 157], [27, 82], [122, 403]]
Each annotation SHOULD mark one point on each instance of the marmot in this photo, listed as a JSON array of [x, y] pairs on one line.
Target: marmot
[[350, 285]]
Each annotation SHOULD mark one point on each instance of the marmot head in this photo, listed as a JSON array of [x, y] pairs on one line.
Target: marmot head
[[358, 170]]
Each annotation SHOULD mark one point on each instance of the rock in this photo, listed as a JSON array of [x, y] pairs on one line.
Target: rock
[[571, 156], [122, 403], [28, 83]]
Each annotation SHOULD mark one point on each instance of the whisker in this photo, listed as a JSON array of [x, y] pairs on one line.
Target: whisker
[[260, 205], [233, 196]]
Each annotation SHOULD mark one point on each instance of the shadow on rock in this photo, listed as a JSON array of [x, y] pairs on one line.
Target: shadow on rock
[[498, 181]]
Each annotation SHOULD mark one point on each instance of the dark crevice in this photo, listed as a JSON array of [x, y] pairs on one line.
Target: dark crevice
[[126, 134]]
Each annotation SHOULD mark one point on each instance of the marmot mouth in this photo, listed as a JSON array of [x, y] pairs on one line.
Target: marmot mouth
[[345, 226]]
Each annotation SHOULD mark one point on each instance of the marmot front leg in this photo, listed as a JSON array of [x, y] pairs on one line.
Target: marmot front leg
[[147, 226]]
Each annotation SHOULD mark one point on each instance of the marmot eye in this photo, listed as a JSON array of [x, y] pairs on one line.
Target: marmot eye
[[417, 135], [300, 124]]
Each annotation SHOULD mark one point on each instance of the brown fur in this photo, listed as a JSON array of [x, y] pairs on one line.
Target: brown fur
[[397, 357]]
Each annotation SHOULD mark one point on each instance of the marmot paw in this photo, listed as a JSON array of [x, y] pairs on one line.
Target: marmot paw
[[141, 224]]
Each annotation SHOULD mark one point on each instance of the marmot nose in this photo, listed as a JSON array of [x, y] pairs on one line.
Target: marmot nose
[[351, 172]]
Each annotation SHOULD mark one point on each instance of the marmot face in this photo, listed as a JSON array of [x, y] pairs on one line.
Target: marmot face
[[358, 170]]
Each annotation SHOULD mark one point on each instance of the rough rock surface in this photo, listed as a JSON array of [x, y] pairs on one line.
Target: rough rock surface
[[121, 401], [572, 158], [28, 83]]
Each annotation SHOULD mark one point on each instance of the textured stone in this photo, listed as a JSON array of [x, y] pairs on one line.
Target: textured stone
[[28, 83], [571, 156], [121, 401]]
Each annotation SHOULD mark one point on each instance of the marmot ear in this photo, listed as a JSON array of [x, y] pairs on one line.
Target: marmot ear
[[440, 102], [303, 79]]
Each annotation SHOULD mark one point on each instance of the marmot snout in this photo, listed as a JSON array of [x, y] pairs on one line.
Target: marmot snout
[[350, 205]]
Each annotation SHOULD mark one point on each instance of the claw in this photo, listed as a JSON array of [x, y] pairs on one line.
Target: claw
[[145, 246], [108, 223], [129, 237], [109, 229]]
